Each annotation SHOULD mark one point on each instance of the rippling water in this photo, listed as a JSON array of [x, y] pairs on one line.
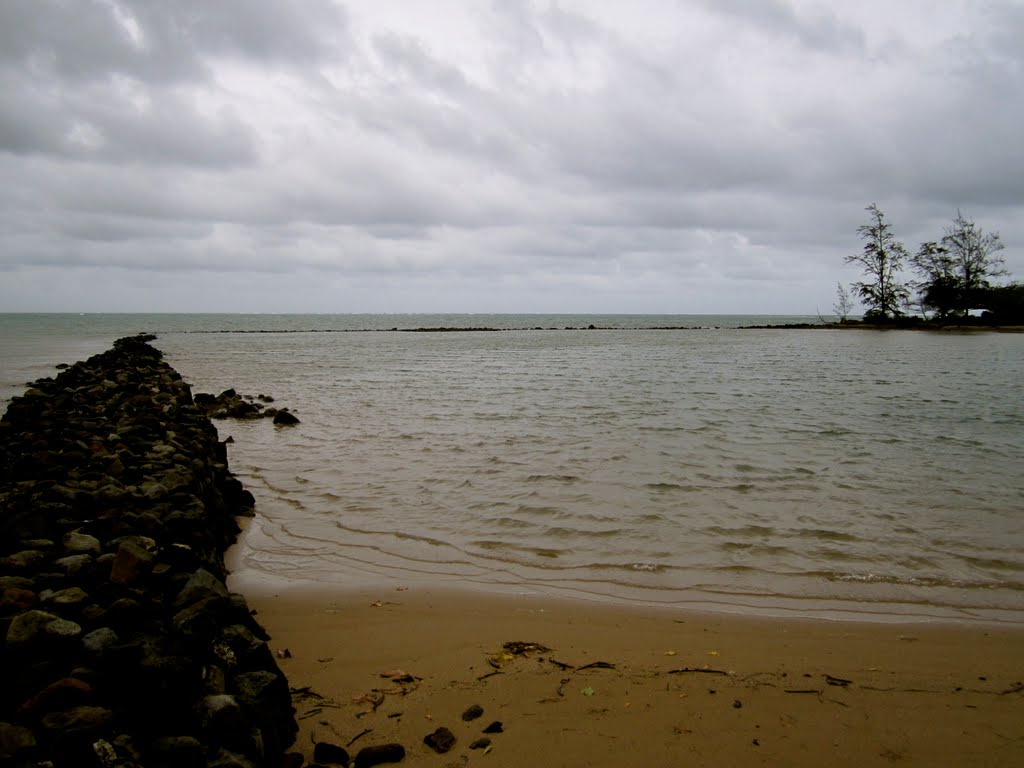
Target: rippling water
[[821, 472]]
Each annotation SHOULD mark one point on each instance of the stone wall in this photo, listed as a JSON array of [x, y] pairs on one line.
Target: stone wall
[[121, 644]]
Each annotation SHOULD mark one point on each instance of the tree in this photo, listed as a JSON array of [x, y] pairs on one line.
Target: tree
[[1005, 303], [881, 259], [844, 304], [940, 289], [956, 271], [974, 259]]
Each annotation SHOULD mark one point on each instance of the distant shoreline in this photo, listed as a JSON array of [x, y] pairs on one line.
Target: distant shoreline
[[494, 329]]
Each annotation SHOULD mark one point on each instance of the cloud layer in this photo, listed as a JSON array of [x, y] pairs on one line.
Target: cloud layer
[[669, 156]]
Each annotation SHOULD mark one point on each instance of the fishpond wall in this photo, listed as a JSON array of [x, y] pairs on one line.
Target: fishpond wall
[[121, 644]]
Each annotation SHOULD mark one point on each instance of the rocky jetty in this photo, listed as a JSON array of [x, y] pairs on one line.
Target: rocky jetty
[[121, 644]]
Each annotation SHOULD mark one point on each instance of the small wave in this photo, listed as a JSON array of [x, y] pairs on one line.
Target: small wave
[[650, 517], [670, 487], [919, 581], [754, 549], [539, 511], [824, 534], [512, 522], [560, 532], [496, 546], [400, 535], [994, 563], [566, 479], [746, 530]]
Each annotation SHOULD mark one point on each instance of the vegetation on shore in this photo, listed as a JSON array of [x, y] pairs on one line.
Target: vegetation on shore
[[954, 278]]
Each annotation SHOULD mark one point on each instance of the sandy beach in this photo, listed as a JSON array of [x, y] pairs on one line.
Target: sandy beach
[[586, 684]]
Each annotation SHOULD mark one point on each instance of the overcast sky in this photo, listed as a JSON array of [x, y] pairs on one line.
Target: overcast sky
[[665, 156]]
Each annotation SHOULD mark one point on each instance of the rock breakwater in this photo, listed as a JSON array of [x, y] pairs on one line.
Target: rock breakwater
[[121, 644]]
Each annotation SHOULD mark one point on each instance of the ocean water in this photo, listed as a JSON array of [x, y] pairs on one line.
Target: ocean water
[[825, 472]]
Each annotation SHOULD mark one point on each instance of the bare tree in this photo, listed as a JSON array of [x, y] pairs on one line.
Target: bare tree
[[844, 304], [881, 259]]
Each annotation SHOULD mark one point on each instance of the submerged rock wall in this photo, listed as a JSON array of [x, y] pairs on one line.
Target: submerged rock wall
[[121, 645]]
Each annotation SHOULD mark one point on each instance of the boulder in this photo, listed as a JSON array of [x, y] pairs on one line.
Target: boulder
[[16, 741], [76, 543], [441, 740], [325, 752], [201, 585], [378, 754], [26, 627]]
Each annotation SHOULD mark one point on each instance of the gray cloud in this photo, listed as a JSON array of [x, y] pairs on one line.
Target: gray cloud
[[688, 157], [160, 42]]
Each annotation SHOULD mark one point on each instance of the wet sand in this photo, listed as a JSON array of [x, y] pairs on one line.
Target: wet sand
[[623, 687]]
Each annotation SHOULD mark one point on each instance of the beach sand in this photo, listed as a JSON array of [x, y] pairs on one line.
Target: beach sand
[[630, 687]]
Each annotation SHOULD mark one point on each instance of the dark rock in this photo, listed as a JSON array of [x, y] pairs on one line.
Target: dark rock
[[201, 585], [246, 649], [78, 721], [26, 627], [227, 759], [124, 613], [178, 752], [129, 563], [66, 598], [377, 754], [286, 418], [15, 741], [199, 623], [482, 743], [74, 564], [100, 640], [221, 717], [76, 543], [495, 727], [63, 694], [242, 410], [16, 582], [268, 700], [23, 561], [214, 679], [325, 752], [71, 734], [441, 740], [15, 599], [472, 713]]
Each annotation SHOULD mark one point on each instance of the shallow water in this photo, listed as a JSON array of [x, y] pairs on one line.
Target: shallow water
[[817, 472]]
